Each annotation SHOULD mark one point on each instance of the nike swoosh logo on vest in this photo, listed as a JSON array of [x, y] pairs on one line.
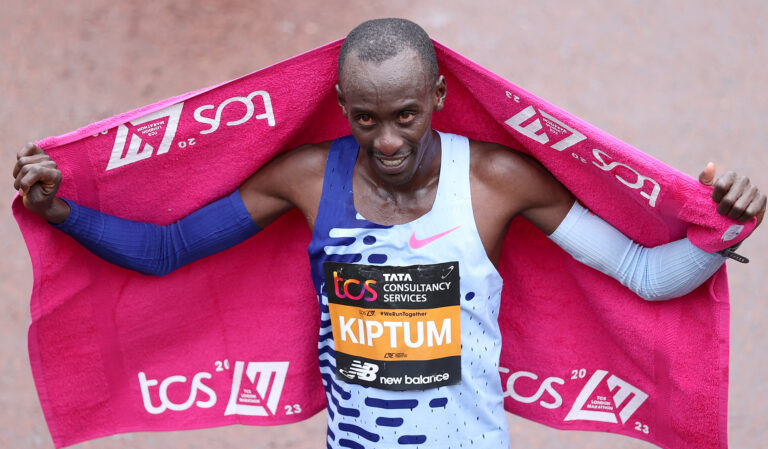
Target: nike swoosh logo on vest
[[418, 243]]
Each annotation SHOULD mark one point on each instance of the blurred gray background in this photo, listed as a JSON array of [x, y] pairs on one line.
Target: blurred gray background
[[682, 80]]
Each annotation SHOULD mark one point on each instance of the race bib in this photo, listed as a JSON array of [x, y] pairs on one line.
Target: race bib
[[395, 328]]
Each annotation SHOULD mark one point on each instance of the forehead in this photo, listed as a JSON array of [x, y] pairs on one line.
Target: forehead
[[401, 76]]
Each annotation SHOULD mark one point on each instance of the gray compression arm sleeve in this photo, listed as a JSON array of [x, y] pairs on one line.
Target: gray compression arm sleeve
[[663, 272]]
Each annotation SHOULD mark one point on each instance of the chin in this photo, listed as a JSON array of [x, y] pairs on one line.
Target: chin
[[395, 180]]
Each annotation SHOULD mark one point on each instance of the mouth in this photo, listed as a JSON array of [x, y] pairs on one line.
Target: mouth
[[392, 165]]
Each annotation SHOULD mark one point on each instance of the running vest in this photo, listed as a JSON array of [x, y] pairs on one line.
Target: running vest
[[409, 339]]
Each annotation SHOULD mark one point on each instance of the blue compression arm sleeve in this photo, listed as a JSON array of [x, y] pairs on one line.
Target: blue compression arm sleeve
[[158, 250]]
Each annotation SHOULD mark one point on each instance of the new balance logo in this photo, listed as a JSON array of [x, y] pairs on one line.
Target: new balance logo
[[256, 388], [600, 408], [555, 127], [143, 131], [362, 370]]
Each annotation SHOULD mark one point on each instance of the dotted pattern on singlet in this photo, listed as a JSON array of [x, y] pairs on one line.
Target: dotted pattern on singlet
[[467, 415]]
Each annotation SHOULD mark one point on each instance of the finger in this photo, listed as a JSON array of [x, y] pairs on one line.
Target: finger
[[27, 176], [47, 174], [41, 158], [28, 181], [736, 190], [29, 149], [707, 176], [19, 173], [755, 209], [723, 186], [25, 181], [740, 208], [20, 162]]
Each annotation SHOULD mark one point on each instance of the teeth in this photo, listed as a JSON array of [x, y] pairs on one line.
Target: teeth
[[392, 162]]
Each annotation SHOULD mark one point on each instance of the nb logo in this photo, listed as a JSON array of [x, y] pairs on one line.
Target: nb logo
[[599, 408], [555, 126], [215, 122], [153, 123], [256, 388], [362, 370]]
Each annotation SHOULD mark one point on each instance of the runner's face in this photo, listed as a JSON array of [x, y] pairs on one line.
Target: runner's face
[[389, 107]]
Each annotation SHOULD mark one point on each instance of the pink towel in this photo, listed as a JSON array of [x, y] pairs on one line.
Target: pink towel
[[232, 338]]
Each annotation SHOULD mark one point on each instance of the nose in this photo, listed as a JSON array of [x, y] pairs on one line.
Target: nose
[[388, 140]]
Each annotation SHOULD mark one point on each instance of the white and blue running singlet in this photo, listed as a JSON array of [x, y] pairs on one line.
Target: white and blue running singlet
[[408, 357]]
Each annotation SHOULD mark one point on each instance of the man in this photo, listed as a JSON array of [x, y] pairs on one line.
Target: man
[[397, 180]]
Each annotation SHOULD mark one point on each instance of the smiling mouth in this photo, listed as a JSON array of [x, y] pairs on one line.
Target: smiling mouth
[[393, 163]]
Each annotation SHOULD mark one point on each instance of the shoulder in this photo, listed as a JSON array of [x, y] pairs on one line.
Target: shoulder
[[292, 179], [306, 159], [507, 182], [500, 167], [291, 171]]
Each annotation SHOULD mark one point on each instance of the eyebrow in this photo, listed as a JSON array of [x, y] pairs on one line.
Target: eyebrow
[[408, 104]]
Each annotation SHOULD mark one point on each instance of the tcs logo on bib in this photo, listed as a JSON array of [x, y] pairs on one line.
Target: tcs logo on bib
[[358, 291]]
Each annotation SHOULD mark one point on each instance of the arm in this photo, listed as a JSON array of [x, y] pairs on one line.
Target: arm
[[665, 271], [521, 186], [659, 273], [158, 250]]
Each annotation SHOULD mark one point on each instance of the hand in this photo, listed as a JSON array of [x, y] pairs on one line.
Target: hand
[[735, 195], [37, 179]]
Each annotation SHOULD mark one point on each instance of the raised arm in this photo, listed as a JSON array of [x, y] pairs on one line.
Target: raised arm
[[158, 250], [518, 185]]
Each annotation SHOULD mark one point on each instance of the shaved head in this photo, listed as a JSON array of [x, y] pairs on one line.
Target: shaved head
[[381, 39]]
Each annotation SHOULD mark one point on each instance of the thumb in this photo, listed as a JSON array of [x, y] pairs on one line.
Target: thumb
[[707, 176], [24, 199]]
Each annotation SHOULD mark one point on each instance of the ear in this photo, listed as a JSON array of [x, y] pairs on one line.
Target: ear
[[440, 92], [340, 100]]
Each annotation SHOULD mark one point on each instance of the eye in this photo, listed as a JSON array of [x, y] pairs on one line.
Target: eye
[[365, 120], [406, 116]]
